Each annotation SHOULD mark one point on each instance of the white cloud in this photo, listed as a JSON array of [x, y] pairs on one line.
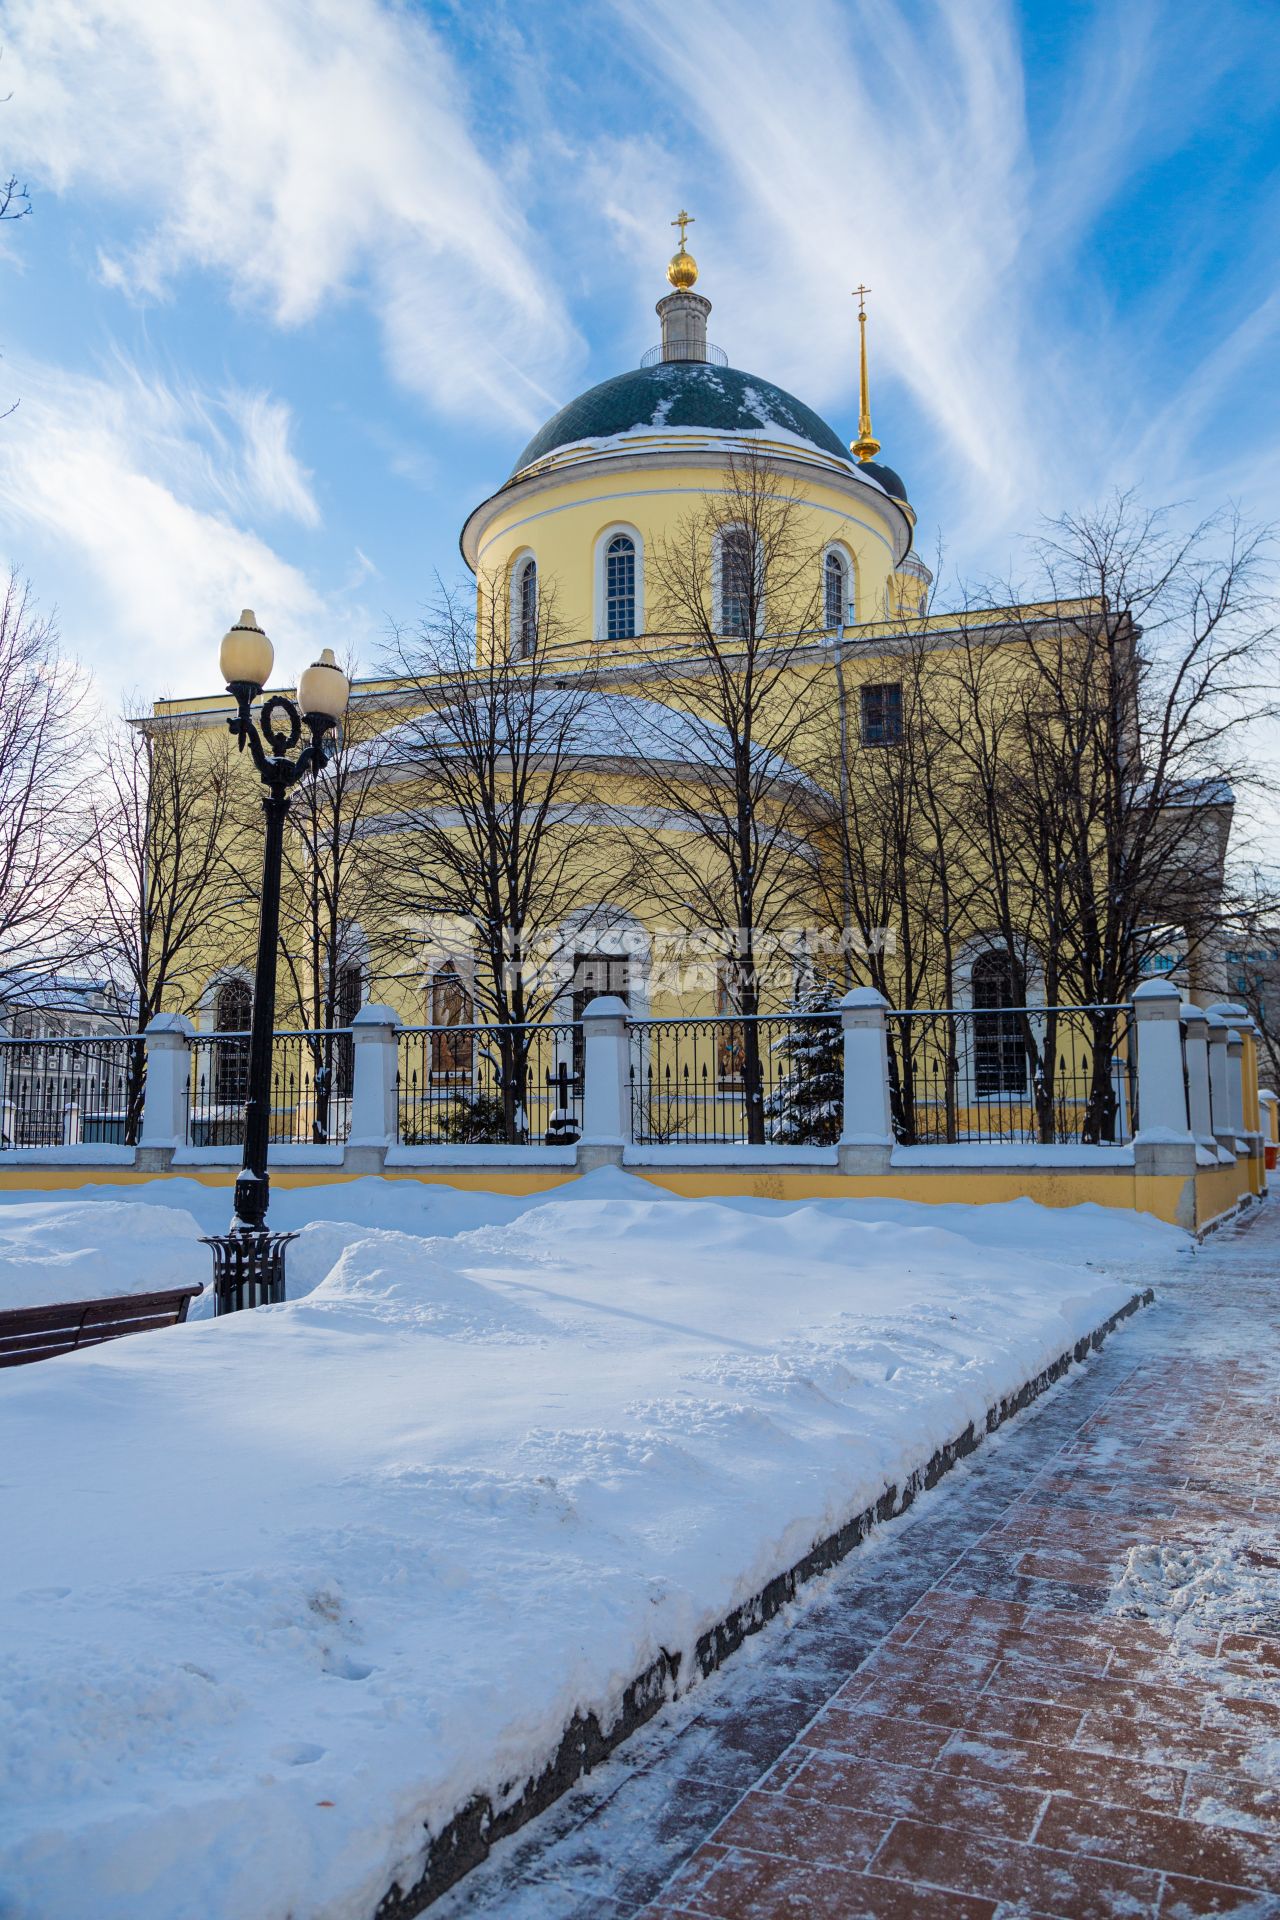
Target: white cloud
[[275, 479], [123, 480], [306, 153]]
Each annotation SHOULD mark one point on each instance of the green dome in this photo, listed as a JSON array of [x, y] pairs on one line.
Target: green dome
[[681, 393]]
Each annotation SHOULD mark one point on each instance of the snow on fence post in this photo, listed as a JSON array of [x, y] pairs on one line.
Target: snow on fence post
[[1195, 1046], [1219, 1073], [606, 1093], [866, 1131], [164, 1096], [374, 1120]]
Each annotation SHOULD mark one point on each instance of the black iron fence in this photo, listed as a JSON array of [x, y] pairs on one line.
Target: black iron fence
[[490, 1085], [767, 1080], [1037, 1075], [82, 1090], [312, 1076]]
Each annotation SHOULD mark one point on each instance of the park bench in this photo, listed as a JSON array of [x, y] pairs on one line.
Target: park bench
[[38, 1333]]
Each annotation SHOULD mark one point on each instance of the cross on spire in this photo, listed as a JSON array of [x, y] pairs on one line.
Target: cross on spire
[[859, 294], [683, 220]]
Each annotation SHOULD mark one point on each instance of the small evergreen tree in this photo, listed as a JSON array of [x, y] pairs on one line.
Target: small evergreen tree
[[805, 1107]]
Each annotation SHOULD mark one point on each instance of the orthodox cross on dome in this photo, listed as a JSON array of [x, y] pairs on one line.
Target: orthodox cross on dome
[[682, 269], [866, 446]]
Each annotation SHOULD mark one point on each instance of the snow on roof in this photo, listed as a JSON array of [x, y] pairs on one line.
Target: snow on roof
[[597, 726]]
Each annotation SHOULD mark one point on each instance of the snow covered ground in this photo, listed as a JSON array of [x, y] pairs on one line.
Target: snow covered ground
[[278, 1587]]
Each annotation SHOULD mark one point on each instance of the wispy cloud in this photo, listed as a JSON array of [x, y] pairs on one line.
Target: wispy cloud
[[274, 477], [126, 480], [307, 154]]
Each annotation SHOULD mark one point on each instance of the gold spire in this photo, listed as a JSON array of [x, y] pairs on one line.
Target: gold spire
[[682, 269], [866, 446]]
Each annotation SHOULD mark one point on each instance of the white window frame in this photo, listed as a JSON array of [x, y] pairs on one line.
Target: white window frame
[[514, 594], [848, 567], [601, 574], [717, 610]]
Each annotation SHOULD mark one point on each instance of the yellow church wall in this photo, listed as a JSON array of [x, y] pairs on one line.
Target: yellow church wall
[[561, 519]]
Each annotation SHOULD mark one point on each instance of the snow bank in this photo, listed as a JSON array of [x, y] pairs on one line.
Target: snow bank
[[283, 1585], [53, 1250]]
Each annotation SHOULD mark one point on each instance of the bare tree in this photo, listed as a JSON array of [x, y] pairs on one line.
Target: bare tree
[[897, 824], [735, 601], [43, 825], [1108, 729], [336, 930], [162, 819], [493, 785]]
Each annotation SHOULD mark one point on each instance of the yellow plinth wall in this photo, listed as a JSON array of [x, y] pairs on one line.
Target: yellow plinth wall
[[1194, 1203]]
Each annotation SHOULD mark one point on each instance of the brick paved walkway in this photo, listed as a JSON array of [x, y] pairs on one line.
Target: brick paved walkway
[[993, 1737]]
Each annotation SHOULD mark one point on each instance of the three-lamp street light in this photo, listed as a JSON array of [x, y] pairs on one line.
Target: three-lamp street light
[[249, 1261]]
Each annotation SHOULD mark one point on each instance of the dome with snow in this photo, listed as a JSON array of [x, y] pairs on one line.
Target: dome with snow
[[675, 394]]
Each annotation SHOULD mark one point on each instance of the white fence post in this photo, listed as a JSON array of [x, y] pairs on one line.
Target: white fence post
[[1219, 1081], [374, 1120], [1195, 1043], [606, 1093], [866, 1130], [1235, 1086], [1237, 1019], [164, 1099], [1162, 1098]]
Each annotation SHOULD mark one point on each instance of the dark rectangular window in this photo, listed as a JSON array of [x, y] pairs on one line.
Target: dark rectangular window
[[882, 715]]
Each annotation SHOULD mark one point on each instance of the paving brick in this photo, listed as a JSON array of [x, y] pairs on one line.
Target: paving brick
[[1066, 1770], [1043, 1879]]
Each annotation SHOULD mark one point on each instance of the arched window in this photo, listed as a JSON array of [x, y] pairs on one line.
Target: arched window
[[232, 1008], [620, 587], [450, 1008], [999, 1048], [527, 609], [835, 593], [737, 581]]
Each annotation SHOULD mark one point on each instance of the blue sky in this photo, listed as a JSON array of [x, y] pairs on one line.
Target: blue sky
[[303, 275]]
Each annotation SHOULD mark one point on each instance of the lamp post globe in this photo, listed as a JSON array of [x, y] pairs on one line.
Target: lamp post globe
[[248, 1260], [323, 689], [246, 656]]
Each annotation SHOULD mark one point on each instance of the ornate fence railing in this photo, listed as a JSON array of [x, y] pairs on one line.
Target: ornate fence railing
[[83, 1090], [773, 1079], [1036, 1075], [964, 1077], [312, 1076], [489, 1085]]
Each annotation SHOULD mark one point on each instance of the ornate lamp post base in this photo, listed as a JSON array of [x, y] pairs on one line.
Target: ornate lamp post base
[[248, 1269]]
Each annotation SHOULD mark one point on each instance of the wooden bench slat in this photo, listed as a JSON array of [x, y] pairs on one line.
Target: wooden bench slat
[[40, 1333]]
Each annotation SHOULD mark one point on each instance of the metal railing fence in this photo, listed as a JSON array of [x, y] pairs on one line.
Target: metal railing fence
[[1044, 1076], [85, 1089], [766, 1079], [489, 1085], [312, 1075]]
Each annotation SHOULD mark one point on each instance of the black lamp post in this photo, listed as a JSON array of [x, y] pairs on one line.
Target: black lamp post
[[248, 1261]]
